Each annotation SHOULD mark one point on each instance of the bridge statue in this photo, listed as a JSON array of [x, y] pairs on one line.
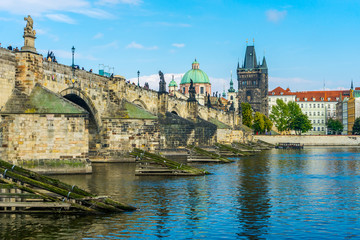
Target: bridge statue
[[162, 83], [29, 25], [192, 92]]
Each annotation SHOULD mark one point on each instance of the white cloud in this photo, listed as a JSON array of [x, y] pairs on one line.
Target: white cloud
[[154, 79], [140, 46], [61, 18], [178, 45], [98, 35], [275, 16], [217, 84], [294, 83], [53, 8]]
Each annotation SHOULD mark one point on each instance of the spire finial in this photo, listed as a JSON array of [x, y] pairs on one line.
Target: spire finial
[[352, 85], [253, 41], [247, 42]]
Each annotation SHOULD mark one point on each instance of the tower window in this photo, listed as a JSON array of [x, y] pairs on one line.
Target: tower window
[[183, 89], [231, 97], [201, 90]]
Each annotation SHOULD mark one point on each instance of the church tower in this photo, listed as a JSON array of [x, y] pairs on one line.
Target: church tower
[[253, 82]]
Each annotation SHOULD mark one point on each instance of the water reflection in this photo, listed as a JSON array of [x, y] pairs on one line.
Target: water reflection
[[309, 194], [253, 197]]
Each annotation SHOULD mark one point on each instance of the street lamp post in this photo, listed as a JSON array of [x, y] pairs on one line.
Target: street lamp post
[[138, 72], [73, 66]]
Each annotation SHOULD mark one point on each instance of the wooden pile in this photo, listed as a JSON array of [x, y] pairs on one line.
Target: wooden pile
[[24, 191], [153, 164]]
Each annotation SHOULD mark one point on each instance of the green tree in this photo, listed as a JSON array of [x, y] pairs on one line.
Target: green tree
[[280, 115], [259, 123], [301, 123], [268, 123], [356, 127], [334, 126], [289, 117], [247, 114]]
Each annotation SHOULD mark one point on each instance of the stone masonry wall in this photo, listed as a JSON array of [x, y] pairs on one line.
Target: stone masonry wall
[[7, 74], [45, 143], [120, 136], [328, 140]]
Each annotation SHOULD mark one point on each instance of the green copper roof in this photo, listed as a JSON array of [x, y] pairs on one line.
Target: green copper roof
[[219, 124], [41, 100], [173, 83], [197, 75]]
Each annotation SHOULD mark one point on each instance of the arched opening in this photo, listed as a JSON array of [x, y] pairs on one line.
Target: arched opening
[[140, 103], [93, 127], [173, 112]]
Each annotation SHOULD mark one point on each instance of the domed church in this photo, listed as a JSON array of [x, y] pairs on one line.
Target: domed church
[[200, 80]]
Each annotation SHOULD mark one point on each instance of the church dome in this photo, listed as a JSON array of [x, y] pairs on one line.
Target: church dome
[[173, 83], [197, 75]]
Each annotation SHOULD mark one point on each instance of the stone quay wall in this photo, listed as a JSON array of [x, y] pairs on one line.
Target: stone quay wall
[[122, 135], [50, 143], [328, 140]]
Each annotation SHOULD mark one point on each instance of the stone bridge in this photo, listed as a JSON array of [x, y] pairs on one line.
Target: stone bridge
[[153, 121]]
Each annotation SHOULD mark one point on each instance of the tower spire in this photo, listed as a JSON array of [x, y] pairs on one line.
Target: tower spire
[[352, 85]]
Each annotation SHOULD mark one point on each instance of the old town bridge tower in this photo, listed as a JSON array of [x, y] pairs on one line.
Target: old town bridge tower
[[253, 82]]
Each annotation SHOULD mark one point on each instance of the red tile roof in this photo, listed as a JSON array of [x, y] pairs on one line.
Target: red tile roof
[[312, 96]]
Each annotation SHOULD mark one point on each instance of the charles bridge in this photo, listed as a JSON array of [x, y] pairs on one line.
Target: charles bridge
[[41, 120]]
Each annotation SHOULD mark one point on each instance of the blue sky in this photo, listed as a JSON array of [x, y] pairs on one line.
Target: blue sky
[[306, 43]]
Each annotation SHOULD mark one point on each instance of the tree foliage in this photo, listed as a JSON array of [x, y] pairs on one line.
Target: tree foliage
[[280, 115], [334, 126], [247, 114], [261, 123], [356, 127], [289, 117], [301, 124]]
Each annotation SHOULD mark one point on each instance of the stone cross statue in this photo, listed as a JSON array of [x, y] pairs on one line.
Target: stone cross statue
[[29, 25]]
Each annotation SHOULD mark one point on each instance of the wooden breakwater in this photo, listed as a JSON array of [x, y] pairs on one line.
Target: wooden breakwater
[[153, 164], [198, 154], [24, 191]]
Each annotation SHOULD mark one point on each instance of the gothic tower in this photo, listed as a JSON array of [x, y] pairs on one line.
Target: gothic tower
[[253, 82]]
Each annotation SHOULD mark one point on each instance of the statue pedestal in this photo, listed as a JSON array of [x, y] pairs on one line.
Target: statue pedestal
[[29, 43]]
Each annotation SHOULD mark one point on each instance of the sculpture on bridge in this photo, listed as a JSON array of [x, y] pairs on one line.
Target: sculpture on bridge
[[29, 26], [162, 83], [192, 92]]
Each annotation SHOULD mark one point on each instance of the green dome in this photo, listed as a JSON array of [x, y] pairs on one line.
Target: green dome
[[173, 83], [197, 75]]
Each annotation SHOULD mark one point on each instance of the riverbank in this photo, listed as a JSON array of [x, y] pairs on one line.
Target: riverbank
[[328, 140]]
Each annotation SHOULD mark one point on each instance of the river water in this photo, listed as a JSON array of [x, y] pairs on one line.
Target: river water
[[278, 194]]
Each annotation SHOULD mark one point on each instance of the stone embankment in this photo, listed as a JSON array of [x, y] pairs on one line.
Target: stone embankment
[[329, 140]]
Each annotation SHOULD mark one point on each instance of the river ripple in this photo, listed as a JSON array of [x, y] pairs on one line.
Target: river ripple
[[278, 194]]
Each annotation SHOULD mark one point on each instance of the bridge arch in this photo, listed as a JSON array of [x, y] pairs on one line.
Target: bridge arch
[[79, 97], [140, 103], [175, 110]]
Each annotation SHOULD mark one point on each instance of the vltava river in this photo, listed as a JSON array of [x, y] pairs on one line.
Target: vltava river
[[309, 194]]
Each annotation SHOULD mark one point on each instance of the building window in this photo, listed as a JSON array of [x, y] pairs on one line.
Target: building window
[[318, 105], [322, 121], [322, 113], [183, 89], [318, 121], [318, 128], [318, 113], [309, 105], [322, 105], [201, 90], [301, 105], [314, 105], [231, 97], [309, 113], [314, 128], [322, 128]]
